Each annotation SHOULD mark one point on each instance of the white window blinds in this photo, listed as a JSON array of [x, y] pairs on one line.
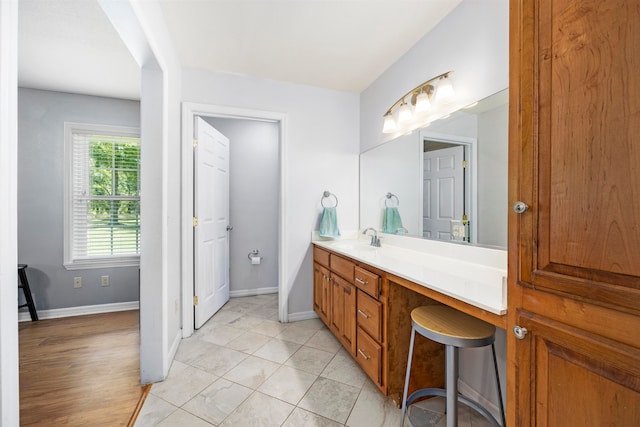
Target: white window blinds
[[104, 204]]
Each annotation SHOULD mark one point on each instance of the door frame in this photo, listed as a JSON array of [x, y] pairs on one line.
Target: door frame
[[189, 111], [471, 178]]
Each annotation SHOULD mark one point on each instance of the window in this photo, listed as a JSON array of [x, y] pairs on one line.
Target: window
[[102, 198]]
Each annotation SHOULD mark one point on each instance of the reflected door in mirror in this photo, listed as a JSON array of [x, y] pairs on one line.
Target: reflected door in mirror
[[443, 200]]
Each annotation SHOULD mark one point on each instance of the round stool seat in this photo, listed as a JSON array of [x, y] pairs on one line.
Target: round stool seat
[[448, 326]]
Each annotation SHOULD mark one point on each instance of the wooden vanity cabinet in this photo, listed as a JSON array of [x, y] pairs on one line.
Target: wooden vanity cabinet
[[370, 319], [369, 311], [343, 307], [334, 296], [321, 284]]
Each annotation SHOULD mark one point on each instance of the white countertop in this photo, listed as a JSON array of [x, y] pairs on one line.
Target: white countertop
[[475, 275]]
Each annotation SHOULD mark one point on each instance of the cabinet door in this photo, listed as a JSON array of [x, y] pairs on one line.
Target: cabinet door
[[343, 312], [321, 292], [574, 275], [573, 377]]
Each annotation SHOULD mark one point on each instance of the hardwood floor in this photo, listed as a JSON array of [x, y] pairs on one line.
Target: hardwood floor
[[80, 371]]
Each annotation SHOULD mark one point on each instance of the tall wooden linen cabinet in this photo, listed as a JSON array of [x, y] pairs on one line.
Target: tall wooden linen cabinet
[[574, 249]]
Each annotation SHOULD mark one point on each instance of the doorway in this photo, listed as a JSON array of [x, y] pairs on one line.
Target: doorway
[[244, 237]]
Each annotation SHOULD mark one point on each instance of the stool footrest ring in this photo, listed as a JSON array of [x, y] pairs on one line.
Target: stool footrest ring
[[426, 392]]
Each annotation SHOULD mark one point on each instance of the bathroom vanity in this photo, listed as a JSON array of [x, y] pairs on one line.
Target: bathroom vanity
[[365, 296]]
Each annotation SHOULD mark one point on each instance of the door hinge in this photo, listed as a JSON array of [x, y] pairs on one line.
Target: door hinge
[[195, 300], [195, 142], [465, 164], [195, 221]]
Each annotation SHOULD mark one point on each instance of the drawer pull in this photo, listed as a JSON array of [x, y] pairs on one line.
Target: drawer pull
[[362, 282], [363, 314], [363, 354]]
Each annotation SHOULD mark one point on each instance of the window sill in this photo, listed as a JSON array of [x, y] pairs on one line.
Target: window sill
[[86, 264]]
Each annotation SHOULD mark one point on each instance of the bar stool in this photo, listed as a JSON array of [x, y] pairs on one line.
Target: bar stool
[[455, 330], [24, 284]]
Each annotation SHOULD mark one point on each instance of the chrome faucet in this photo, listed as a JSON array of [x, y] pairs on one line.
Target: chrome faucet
[[375, 241]]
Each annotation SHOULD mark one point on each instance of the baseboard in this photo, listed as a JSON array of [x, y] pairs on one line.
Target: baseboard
[[23, 316], [253, 292], [174, 347], [466, 390], [303, 315]]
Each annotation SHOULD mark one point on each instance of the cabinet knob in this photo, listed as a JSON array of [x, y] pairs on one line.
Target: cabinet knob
[[520, 207], [519, 332]]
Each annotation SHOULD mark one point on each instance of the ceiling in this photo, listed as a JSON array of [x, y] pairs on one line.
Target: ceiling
[[344, 45]]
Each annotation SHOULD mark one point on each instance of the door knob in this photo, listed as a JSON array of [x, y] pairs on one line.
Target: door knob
[[520, 207], [519, 332], [229, 227]]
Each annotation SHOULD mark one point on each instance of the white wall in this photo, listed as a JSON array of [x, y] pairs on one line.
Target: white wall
[[473, 41], [142, 27], [391, 168], [254, 187], [321, 154], [41, 182], [493, 165], [9, 393]]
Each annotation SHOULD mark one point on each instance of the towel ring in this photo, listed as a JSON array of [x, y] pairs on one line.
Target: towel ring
[[325, 195], [389, 198]]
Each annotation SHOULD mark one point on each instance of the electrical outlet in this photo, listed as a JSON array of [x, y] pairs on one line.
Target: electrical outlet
[[77, 282], [105, 281]]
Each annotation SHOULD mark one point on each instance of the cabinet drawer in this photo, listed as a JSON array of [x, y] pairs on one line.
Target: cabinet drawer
[[321, 256], [369, 355], [367, 281], [369, 315], [342, 267]]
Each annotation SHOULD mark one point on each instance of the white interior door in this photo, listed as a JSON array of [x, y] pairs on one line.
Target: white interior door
[[443, 188], [211, 208]]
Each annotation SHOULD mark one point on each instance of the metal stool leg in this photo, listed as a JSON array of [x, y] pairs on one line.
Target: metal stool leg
[[495, 366], [406, 379], [24, 284], [451, 356]]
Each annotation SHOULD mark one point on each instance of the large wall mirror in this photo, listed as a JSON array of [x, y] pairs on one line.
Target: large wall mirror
[[447, 181]]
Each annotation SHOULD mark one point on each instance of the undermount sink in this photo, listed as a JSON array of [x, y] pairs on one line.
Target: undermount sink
[[361, 249]]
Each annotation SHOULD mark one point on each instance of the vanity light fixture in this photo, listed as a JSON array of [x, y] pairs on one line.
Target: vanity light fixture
[[404, 113], [445, 89], [417, 102], [422, 102]]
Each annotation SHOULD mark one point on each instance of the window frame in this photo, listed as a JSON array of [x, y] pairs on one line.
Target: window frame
[[78, 263]]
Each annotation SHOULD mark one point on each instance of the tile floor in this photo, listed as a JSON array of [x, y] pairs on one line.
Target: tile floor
[[244, 368]]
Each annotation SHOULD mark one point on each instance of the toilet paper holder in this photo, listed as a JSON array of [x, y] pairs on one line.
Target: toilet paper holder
[[253, 256]]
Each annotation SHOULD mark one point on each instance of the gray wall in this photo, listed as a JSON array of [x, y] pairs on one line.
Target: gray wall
[[254, 188], [41, 117]]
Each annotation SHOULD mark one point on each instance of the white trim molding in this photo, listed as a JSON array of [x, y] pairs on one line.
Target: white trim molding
[[468, 391], [303, 315], [23, 316], [253, 292]]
